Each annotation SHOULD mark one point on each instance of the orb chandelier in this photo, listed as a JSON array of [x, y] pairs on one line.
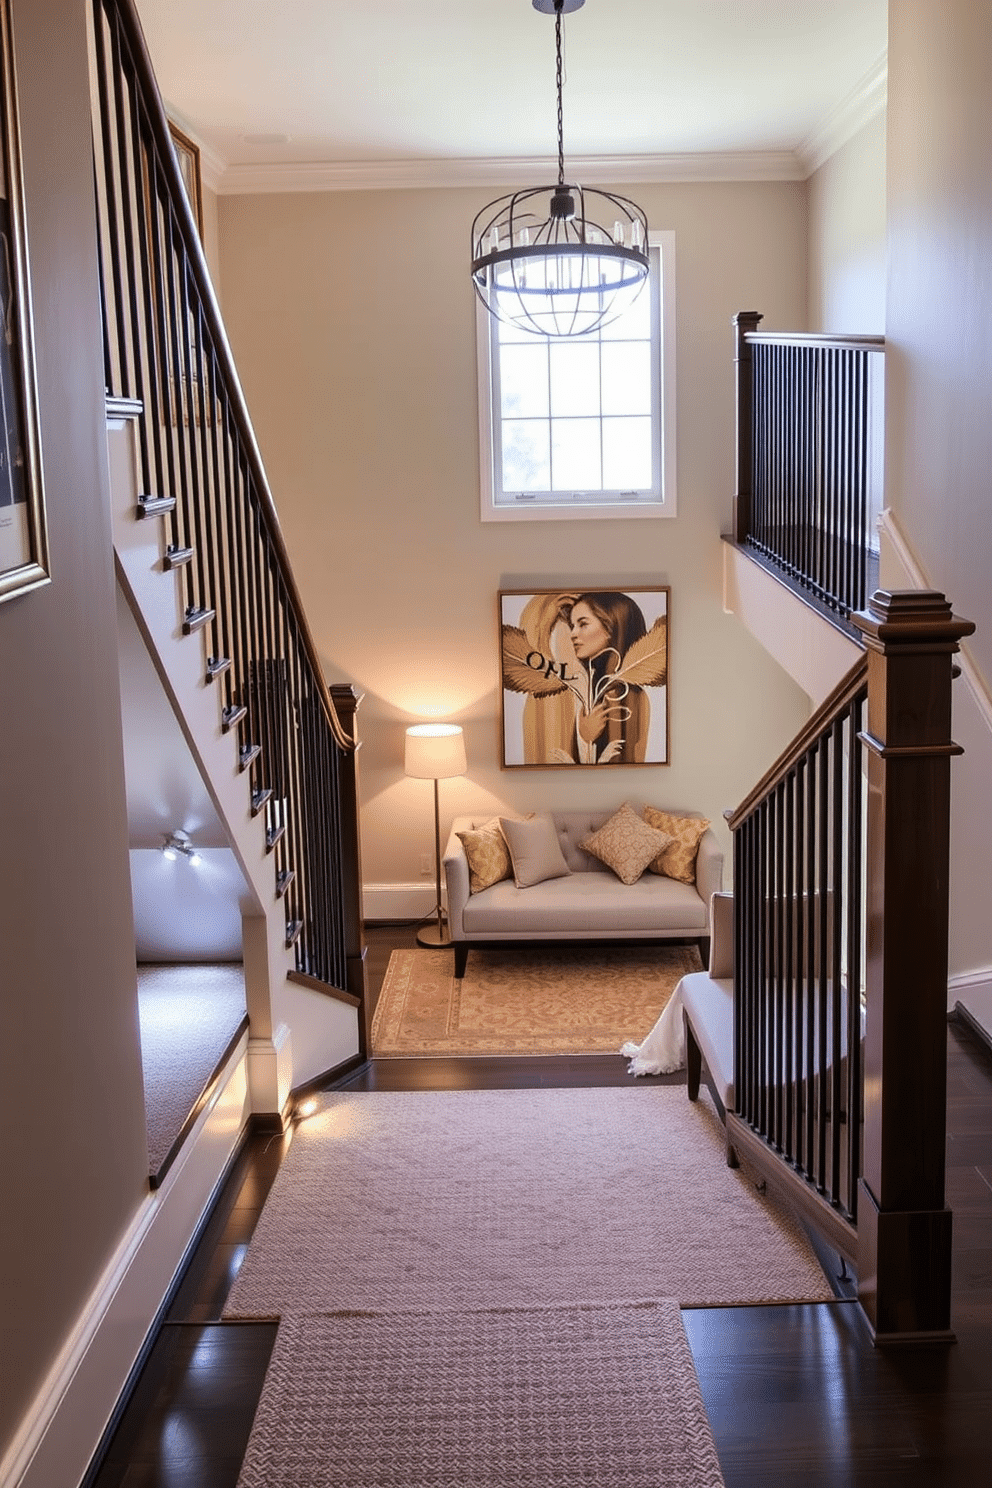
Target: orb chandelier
[[544, 259]]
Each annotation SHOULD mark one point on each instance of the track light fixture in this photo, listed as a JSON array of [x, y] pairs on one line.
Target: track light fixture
[[177, 844]]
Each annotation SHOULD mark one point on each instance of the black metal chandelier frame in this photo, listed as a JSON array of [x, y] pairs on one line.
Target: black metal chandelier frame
[[566, 273]]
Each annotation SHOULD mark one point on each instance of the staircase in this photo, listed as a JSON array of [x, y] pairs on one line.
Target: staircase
[[202, 563]]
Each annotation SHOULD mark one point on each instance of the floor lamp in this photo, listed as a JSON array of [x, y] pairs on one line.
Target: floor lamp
[[435, 751]]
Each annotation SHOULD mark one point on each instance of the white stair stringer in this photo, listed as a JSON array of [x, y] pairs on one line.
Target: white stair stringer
[[329, 1035]]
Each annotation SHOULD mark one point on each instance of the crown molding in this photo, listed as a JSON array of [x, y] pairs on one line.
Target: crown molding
[[861, 105], [395, 175]]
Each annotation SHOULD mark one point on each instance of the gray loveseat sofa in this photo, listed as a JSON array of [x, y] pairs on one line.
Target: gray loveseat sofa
[[591, 903]]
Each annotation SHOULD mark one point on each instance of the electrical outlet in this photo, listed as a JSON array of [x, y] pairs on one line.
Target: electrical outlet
[[426, 865]]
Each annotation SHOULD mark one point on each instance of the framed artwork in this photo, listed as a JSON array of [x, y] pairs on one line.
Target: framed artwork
[[23, 530], [584, 676], [188, 156]]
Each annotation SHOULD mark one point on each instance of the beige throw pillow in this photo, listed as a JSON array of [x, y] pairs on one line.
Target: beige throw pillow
[[534, 849], [679, 860], [488, 855], [627, 844]]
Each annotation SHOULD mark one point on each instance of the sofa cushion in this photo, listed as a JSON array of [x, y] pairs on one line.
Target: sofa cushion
[[678, 860], [487, 854], [586, 904], [627, 844], [534, 849]]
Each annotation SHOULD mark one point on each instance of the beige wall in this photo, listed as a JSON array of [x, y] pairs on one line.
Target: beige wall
[[847, 229], [74, 1166], [353, 323], [939, 383], [939, 452]]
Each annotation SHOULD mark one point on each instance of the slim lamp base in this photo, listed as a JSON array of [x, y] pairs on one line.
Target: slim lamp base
[[434, 937]]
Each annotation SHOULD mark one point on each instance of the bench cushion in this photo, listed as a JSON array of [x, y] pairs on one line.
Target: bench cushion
[[708, 1004]]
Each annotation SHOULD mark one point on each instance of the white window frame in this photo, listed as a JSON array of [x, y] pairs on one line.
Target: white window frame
[[586, 507]]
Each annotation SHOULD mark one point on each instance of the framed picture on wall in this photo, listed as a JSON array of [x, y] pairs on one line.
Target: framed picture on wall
[[23, 530], [188, 156], [584, 676]]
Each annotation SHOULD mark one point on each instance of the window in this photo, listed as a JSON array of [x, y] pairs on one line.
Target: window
[[583, 427]]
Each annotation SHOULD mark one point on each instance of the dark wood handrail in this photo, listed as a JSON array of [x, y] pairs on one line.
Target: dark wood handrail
[[835, 703], [839, 342], [200, 273]]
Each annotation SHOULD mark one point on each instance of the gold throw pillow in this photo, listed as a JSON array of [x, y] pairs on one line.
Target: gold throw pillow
[[488, 855], [679, 860]]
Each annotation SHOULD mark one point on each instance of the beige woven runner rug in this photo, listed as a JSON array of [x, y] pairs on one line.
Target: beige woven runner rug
[[407, 1200], [534, 1398], [545, 1000]]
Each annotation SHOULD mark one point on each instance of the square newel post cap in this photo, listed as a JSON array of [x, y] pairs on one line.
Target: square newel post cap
[[910, 620]]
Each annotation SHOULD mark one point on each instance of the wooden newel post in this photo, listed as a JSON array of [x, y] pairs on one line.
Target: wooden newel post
[[744, 321], [346, 703], [904, 1229]]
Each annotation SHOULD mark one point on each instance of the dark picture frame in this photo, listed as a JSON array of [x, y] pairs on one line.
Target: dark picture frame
[[23, 528], [584, 676], [188, 156]]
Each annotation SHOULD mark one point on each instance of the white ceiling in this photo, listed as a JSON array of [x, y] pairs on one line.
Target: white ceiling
[[441, 84]]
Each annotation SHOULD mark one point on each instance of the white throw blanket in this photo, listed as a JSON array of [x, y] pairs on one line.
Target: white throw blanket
[[663, 1051]]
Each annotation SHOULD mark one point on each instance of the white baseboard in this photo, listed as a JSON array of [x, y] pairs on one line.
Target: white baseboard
[[60, 1433], [398, 901]]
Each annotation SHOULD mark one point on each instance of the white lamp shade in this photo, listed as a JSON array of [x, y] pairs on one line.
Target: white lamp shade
[[435, 751]]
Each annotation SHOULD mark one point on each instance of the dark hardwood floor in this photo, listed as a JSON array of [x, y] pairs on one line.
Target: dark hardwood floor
[[795, 1395]]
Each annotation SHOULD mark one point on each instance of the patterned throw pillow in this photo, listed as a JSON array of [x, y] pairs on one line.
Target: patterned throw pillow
[[679, 860], [488, 856], [627, 844]]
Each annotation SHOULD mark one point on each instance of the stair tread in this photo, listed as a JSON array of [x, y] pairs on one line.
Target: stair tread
[[196, 619], [232, 715]]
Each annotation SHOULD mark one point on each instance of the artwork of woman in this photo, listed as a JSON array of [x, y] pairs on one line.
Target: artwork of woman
[[584, 660]]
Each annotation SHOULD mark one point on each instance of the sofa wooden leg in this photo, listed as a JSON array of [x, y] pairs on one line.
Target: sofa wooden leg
[[693, 1060], [732, 1160], [461, 958], [704, 951]]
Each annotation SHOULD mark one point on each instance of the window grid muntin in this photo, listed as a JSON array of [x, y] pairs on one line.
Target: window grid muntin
[[571, 493]]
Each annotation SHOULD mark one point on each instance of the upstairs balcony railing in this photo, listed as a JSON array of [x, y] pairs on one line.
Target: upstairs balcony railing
[[810, 412], [166, 351]]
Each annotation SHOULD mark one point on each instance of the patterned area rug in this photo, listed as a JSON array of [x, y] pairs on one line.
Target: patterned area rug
[[541, 1001], [395, 1201], [540, 1398]]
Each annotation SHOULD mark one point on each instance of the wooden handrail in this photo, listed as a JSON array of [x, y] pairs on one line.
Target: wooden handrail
[[200, 273], [838, 342]]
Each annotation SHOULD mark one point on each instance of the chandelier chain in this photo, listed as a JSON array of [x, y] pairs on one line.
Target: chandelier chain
[[561, 128]]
